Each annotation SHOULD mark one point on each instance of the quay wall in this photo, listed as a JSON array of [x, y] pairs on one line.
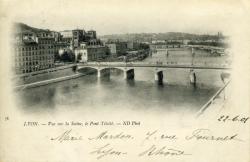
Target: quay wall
[[43, 75], [51, 80]]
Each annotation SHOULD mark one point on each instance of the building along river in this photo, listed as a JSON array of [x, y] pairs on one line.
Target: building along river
[[143, 94]]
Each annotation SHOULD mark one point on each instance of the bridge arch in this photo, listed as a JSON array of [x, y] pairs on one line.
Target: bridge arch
[[87, 69], [128, 72], [101, 68]]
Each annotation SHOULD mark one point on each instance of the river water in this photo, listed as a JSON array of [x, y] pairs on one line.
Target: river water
[[142, 94]]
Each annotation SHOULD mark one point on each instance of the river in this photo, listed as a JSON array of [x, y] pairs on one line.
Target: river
[[142, 94]]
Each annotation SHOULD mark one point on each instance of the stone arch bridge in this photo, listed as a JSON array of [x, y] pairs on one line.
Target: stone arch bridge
[[103, 68]]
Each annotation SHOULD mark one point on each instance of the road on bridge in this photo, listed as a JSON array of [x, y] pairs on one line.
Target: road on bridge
[[155, 65]]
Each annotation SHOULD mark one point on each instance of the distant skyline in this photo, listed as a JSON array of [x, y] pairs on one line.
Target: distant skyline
[[121, 17], [117, 33]]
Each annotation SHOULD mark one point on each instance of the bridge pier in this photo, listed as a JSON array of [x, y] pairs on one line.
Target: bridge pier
[[192, 50], [129, 74], [192, 77], [103, 72], [98, 73], [159, 76]]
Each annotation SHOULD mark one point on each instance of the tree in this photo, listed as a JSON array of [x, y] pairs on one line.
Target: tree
[[67, 56]]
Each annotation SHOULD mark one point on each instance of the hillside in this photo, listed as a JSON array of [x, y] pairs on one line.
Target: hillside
[[21, 27], [158, 36]]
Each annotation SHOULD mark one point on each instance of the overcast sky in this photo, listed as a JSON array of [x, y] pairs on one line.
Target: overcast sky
[[128, 16]]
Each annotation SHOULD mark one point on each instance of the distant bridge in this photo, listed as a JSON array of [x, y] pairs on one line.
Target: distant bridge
[[211, 49], [103, 68]]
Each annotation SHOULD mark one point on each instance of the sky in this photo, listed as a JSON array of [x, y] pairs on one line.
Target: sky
[[128, 16]]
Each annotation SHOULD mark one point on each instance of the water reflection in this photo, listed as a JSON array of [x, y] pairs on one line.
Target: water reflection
[[131, 82], [92, 92]]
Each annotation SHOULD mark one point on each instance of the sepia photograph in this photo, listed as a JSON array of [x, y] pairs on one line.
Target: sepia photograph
[[112, 81], [166, 71]]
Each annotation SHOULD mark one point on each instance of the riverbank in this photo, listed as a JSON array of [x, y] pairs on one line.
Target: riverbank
[[42, 75], [49, 81], [48, 76]]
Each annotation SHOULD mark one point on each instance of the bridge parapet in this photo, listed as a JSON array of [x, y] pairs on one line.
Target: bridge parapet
[[170, 64], [205, 47]]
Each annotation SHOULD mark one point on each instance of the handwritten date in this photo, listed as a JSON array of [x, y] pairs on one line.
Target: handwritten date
[[238, 118]]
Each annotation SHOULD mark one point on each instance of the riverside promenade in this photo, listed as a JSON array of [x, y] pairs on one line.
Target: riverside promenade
[[46, 76], [49, 81]]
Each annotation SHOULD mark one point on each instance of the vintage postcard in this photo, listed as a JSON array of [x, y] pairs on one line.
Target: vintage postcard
[[124, 81]]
